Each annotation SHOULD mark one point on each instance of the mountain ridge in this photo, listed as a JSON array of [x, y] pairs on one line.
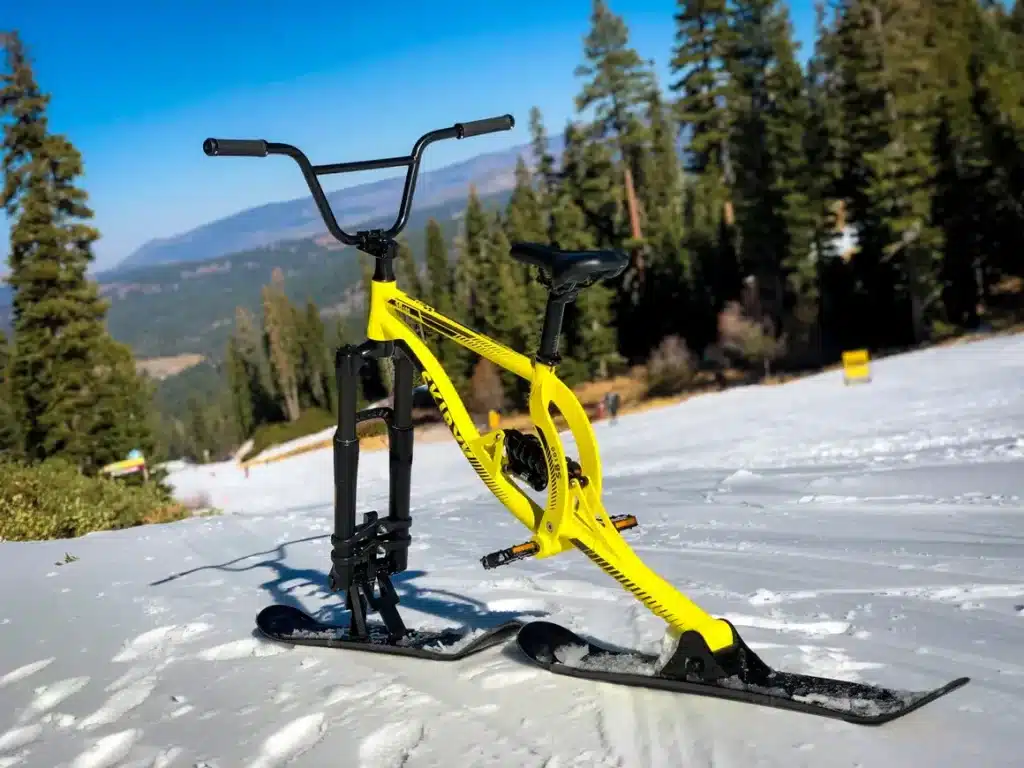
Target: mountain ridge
[[296, 219]]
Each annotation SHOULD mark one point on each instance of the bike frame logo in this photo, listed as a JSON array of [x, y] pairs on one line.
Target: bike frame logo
[[447, 416]]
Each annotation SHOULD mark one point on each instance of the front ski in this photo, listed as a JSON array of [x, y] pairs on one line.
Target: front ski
[[286, 624], [563, 652]]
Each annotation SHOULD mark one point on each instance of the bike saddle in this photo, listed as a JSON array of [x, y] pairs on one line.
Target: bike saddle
[[566, 267]]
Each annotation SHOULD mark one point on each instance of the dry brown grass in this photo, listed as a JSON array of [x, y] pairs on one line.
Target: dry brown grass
[[171, 513]]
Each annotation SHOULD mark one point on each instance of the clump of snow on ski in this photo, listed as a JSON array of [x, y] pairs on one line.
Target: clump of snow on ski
[[862, 706], [580, 657], [669, 644], [318, 634], [441, 644]]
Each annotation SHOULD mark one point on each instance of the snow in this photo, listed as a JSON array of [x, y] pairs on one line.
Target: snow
[[870, 532]]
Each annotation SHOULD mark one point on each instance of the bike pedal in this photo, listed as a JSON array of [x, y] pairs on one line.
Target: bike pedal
[[506, 556], [624, 522]]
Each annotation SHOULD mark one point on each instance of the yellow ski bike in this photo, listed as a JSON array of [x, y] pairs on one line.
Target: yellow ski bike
[[706, 657]]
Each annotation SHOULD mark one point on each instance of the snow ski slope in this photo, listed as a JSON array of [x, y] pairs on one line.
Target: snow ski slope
[[872, 532]]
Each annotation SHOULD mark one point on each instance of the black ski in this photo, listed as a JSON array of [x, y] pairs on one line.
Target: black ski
[[286, 624], [563, 652]]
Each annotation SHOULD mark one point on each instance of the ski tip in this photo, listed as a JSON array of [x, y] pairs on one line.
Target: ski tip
[[277, 616], [278, 609], [539, 639]]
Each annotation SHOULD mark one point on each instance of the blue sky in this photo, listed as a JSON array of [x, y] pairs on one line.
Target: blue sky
[[138, 86]]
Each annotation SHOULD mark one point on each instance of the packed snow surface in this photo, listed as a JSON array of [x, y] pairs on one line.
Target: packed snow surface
[[871, 532]]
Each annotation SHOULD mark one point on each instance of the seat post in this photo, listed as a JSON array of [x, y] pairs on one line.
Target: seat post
[[554, 313]]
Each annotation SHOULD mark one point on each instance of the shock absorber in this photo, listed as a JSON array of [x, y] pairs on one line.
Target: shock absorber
[[526, 458]]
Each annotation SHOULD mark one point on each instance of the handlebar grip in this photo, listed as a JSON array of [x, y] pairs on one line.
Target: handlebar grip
[[487, 125], [235, 147]]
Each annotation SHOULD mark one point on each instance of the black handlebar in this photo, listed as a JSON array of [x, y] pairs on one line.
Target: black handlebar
[[261, 148], [235, 147], [488, 125]]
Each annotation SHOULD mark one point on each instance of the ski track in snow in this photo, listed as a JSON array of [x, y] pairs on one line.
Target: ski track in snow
[[868, 533]]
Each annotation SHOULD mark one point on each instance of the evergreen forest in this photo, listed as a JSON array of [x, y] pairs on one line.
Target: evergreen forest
[[775, 213]]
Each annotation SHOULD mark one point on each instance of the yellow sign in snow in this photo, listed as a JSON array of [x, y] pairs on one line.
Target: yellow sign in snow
[[125, 467], [856, 366]]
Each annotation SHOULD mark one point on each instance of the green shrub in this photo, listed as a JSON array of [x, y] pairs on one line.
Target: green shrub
[[671, 368], [942, 330], [749, 338], [53, 500]]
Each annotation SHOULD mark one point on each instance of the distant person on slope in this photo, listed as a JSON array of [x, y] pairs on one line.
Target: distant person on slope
[[612, 399]]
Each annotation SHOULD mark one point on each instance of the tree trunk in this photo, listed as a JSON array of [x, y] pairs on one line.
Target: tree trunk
[[634, 221]]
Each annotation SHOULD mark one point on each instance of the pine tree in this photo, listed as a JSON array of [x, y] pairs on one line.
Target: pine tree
[[500, 293], [589, 330], [475, 265], [239, 387], [315, 366], [75, 391], [595, 344], [198, 433], [775, 212], [121, 418], [440, 293], [528, 221], [589, 178], [568, 223], [824, 135], [662, 190], [514, 320], [980, 179], [664, 305], [406, 270], [617, 80], [440, 281], [702, 50], [588, 181], [282, 344], [887, 64], [10, 430], [1014, 24], [544, 169], [262, 391], [704, 108]]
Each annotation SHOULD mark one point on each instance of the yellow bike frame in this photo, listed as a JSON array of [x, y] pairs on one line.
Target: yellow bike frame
[[574, 516]]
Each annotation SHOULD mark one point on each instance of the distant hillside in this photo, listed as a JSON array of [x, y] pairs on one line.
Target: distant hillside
[[189, 308], [296, 219], [177, 296], [177, 309]]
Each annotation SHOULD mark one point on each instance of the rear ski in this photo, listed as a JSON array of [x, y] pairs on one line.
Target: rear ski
[[286, 624], [742, 676]]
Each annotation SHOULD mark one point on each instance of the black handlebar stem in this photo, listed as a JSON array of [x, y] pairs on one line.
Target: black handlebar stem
[[373, 242]]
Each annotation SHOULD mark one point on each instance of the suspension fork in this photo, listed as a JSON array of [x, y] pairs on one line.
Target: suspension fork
[[367, 555]]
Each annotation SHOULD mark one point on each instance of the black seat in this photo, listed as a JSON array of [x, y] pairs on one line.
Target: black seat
[[568, 267]]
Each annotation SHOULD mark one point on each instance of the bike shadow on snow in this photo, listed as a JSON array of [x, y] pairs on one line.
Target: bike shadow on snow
[[290, 585]]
